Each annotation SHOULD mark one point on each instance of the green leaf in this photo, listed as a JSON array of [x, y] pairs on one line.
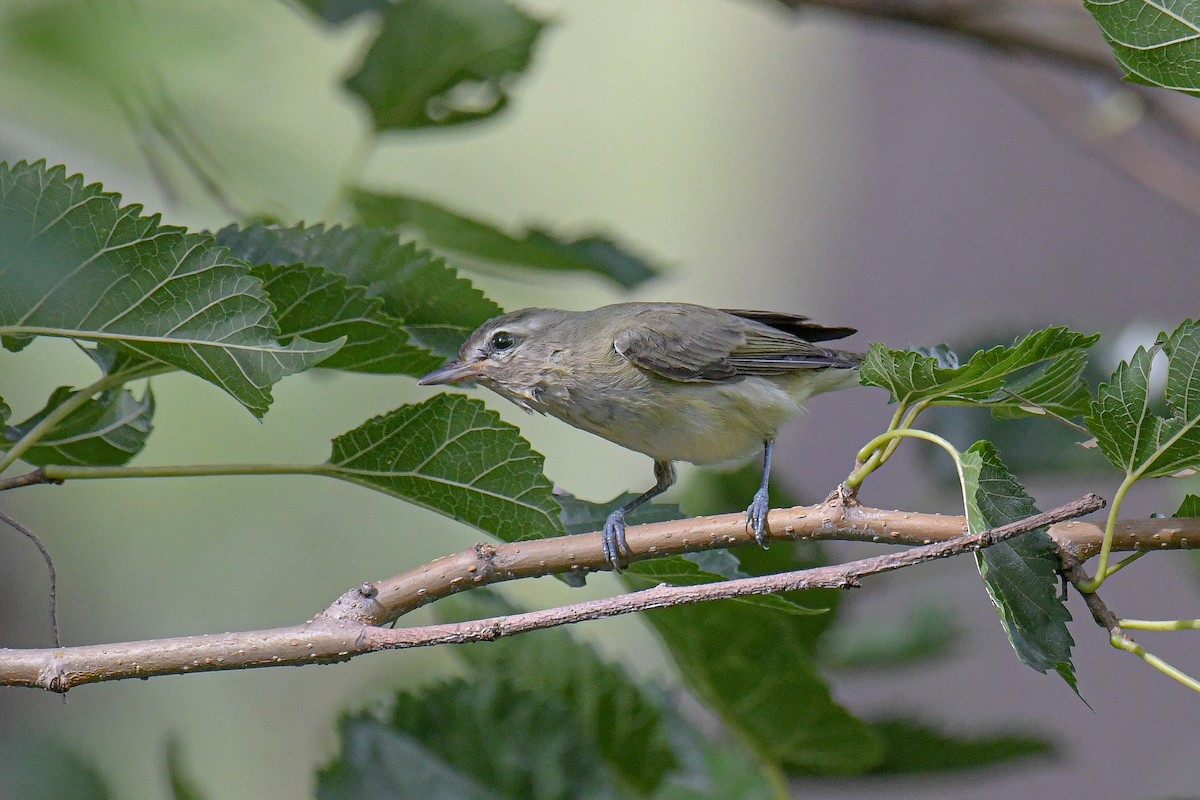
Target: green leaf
[[5, 411], [748, 664], [912, 747], [338, 11], [378, 761], [487, 738], [721, 491], [625, 723], [321, 307], [107, 430], [480, 242], [925, 632], [584, 516], [710, 566], [1155, 43], [183, 786], [1129, 433], [712, 769], [1190, 507], [1021, 574], [444, 62], [755, 665], [437, 308], [1045, 363], [74, 263], [453, 455], [35, 767]]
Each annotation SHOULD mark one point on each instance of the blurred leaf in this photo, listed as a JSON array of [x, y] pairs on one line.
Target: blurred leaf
[[75, 264], [722, 491], [750, 666], [36, 767], [5, 411], [715, 565], [912, 747], [625, 724], [1190, 507], [485, 738], [712, 770], [926, 632], [444, 62], [183, 787], [377, 760], [453, 455], [437, 308], [338, 11], [108, 429], [321, 307], [1045, 363], [1021, 574], [754, 665], [1156, 44], [468, 238], [1130, 434], [584, 516]]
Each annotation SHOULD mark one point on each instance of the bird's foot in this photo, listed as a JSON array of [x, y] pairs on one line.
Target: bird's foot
[[616, 549], [756, 518]]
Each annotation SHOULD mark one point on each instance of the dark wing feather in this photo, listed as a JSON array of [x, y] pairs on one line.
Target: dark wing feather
[[793, 324], [707, 345]]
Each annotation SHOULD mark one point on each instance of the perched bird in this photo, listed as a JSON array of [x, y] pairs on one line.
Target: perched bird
[[676, 381]]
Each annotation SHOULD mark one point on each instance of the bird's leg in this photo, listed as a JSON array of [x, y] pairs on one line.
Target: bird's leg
[[756, 514], [615, 546]]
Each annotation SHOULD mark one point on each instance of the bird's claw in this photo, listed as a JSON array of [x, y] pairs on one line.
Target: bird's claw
[[756, 518], [616, 548]]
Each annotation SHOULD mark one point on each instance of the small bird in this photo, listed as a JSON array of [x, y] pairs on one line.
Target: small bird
[[676, 381]]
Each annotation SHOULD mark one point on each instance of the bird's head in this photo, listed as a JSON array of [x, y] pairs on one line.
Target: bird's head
[[508, 352]]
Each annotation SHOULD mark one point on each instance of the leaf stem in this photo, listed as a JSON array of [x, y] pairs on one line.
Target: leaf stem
[[56, 416], [1130, 646], [871, 450], [63, 472], [1110, 527], [1160, 624]]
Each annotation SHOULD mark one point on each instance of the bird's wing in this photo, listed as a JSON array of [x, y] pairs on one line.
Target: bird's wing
[[719, 347], [793, 324]]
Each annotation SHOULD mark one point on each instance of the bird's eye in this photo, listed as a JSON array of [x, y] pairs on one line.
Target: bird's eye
[[502, 340]]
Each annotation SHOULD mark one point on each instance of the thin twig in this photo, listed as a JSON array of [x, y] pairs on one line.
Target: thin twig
[[35, 478], [41, 546], [352, 624]]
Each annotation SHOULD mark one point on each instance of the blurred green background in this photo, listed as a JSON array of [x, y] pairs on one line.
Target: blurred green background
[[767, 159]]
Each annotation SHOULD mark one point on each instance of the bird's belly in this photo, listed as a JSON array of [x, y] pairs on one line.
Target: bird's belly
[[701, 423]]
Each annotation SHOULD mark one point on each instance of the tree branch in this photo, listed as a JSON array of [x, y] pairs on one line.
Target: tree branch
[[352, 625]]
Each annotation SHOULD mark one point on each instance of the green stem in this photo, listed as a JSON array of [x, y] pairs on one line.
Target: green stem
[[1160, 624], [871, 449], [1109, 528], [875, 460], [1124, 562], [56, 416], [61, 472], [1130, 646]]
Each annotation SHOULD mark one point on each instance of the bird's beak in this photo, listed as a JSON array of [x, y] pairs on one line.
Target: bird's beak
[[453, 372]]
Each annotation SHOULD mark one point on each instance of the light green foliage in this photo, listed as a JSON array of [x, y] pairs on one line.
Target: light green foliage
[[924, 633], [452, 454], [542, 716], [481, 243], [444, 62], [1158, 44], [1131, 435], [1021, 574], [108, 429], [321, 306], [436, 307], [1045, 366], [74, 263]]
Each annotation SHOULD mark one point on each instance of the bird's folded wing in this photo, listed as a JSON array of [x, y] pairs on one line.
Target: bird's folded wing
[[720, 348]]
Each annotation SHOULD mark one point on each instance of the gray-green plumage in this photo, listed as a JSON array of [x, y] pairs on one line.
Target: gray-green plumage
[[676, 381]]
